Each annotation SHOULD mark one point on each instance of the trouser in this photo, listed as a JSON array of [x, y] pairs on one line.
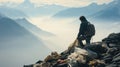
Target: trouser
[[87, 39]]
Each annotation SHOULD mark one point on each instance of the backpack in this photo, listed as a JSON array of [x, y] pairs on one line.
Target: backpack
[[90, 30]]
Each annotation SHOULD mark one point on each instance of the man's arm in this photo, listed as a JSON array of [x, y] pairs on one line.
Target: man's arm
[[80, 31]]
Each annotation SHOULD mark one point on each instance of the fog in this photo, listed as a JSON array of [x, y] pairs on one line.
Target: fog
[[66, 30], [16, 53]]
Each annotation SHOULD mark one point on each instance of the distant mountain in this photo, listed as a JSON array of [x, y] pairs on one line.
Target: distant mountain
[[12, 12], [18, 45], [42, 10], [13, 35], [30, 9], [76, 12], [26, 4], [105, 12], [34, 29], [1, 15], [50, 9], [110, 13]]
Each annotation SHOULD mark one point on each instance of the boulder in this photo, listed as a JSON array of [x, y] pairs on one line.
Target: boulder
[[113, 38]]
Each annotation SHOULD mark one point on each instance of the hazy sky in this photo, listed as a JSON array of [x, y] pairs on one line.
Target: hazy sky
[[68, 3]]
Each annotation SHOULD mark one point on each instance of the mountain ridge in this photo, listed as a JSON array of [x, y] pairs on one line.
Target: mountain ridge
[[33, 28], [13, 13], [104, 12], [110, 13], [76, 12]]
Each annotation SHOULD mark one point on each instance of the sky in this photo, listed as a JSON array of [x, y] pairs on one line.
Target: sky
[[67, 3]]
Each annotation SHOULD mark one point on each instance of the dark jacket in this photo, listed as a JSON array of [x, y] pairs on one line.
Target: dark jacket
[[83, 28]]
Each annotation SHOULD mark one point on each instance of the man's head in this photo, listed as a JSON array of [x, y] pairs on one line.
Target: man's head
[[82, 18]]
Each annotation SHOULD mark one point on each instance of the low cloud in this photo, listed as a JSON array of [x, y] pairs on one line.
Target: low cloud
[[12, 1], [67, 3]]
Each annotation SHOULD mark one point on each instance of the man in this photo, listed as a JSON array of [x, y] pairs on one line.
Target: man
[[85, 32]]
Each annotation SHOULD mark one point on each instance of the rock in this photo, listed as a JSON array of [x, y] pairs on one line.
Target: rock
[[113, 65], [78, 57], [113, 38], [117, 55], [28, 65], [96, 50], [96, 63], [53, 57], [92, 55], [38, 62], [61, 65], [116, 60], [37, 65], [108, 60], [113, 51], [64, 56]]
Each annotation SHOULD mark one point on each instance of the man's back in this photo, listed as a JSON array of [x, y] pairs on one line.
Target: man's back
[[90, 31]]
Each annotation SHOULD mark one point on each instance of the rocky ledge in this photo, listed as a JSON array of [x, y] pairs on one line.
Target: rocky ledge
[[98, 54]]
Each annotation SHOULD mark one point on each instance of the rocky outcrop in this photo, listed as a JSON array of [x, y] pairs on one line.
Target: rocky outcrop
[[99, 54]]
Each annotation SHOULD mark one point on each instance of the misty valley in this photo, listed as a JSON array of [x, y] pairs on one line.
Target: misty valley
[[29, 33]]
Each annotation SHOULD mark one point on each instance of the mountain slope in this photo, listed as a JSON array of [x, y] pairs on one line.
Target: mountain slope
[[34, 29], [12, 12], [110, 13], [11, 31], [105, 12], [30, 8], [18, 45], [42, 10], [76, 12]]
